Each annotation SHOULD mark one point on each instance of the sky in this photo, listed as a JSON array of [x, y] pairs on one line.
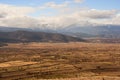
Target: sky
[[97, 4], [57, 13]]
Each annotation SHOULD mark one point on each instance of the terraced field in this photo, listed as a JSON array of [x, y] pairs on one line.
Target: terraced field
[[69, 61]]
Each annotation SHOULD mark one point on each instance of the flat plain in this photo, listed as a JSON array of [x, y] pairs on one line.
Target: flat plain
[[60, 61]]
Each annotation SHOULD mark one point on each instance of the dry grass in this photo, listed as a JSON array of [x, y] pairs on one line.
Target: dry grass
[[62, 45], [60, 60], [15, 63], [85, 78]]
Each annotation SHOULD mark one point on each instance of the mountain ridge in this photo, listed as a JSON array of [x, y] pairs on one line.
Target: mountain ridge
[[103, 31], [30, 36]]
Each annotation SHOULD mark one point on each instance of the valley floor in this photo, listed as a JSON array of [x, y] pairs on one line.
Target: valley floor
[[60, 61], [88, 78]]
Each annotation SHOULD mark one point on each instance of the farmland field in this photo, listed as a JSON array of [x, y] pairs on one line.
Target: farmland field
[[64, 61]]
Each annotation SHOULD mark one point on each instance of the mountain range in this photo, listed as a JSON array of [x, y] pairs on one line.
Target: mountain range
[[30, 36], [106, 31], [64, 34], [103, 31]]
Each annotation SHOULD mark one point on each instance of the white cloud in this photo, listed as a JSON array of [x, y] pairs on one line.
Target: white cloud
[[17, 16], [12, 11], [3, 15], [78, 1], [23, 22], [54, 5], [97, 14]]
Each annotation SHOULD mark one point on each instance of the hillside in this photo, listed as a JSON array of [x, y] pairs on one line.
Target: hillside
[[27, 36]]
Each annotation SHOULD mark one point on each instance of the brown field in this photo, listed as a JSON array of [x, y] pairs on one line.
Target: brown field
[[15, 63], [60, 61]]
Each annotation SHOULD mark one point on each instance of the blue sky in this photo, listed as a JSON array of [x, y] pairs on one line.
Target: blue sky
[[96, 4], [103, 4], [29, 2], [93, 4]]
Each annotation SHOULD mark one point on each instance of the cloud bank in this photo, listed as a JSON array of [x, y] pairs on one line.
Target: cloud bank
[[64, 16]]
